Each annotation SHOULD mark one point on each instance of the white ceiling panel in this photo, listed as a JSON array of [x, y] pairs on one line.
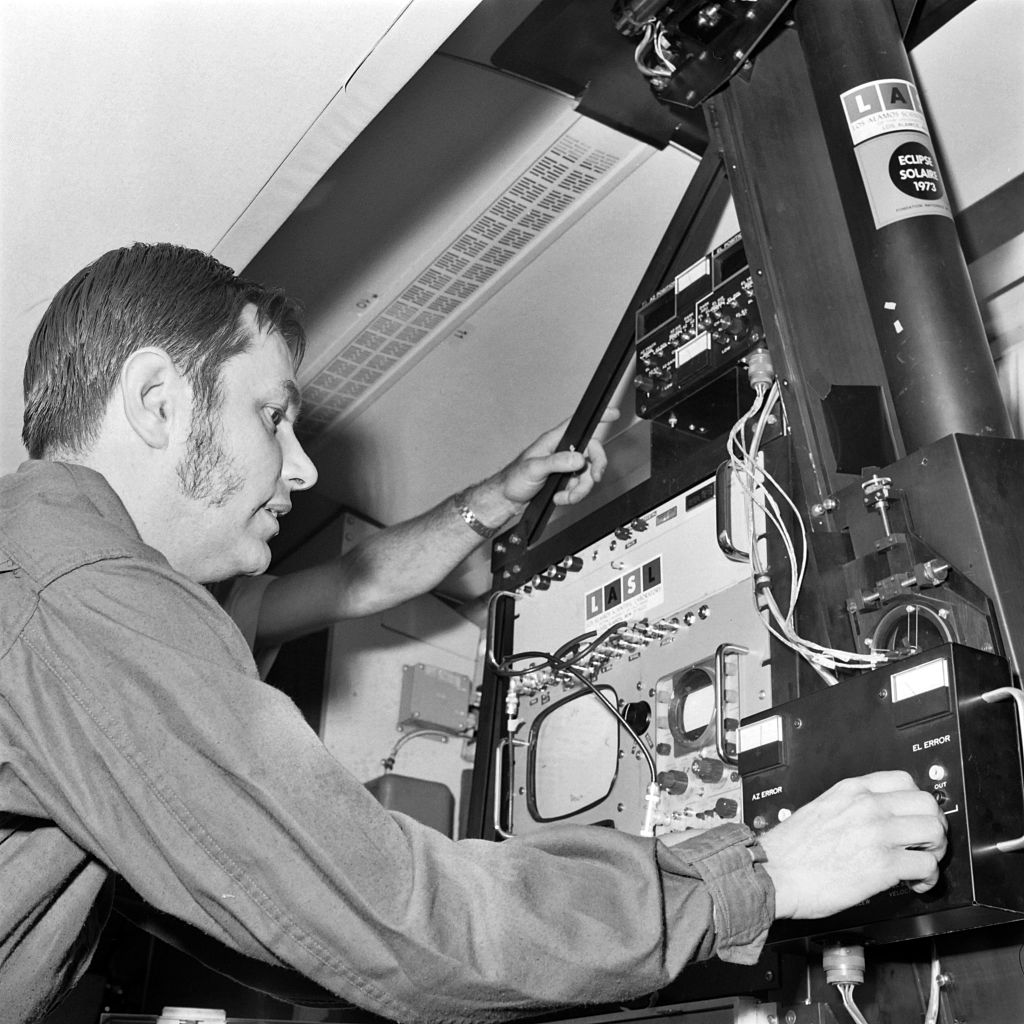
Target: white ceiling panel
[[202, 122]]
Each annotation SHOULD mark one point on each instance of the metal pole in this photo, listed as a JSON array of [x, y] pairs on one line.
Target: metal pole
[[930, 333]]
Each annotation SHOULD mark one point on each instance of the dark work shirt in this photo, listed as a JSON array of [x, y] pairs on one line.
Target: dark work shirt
[[136, 738]]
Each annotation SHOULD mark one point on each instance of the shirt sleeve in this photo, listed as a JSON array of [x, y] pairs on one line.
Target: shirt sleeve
[[149, 741], [743, 899]]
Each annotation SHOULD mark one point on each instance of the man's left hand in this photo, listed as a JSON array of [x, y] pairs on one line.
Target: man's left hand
[[522, 479]]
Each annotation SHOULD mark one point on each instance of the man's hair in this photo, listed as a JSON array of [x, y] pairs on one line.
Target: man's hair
[[180, 300]]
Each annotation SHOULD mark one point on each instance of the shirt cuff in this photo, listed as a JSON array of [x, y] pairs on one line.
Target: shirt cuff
[[729, 860]]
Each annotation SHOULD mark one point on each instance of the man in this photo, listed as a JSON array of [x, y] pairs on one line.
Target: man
[[137, 740]]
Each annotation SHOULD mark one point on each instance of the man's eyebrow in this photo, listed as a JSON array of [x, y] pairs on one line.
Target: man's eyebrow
[[293, 396]]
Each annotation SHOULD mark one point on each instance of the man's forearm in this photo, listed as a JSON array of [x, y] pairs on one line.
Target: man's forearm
[[396, 564], [413, 557]]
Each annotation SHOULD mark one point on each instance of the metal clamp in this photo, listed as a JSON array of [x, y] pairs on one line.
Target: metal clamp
[[1009, 693], [724, 650], [723, 514]]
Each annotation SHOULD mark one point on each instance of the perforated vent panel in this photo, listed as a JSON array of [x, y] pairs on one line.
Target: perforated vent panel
[[456, 280]]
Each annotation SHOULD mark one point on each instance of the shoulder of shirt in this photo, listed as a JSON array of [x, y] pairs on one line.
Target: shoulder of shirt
[[56, 517], [63, 525]]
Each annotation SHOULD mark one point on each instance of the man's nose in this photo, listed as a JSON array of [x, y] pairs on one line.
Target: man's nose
[[297, 469]]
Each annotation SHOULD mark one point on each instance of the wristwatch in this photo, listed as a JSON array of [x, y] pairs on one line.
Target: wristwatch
[[469, 517]]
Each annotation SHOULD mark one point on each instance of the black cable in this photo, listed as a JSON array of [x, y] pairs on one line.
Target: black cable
[[621, 719], [546, 660]]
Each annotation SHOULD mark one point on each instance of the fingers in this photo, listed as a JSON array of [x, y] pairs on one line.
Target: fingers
[[582, 471], [545, 444], [597, 460], [920, 834], [879, 782], [908, 803], [894, 791], [576, 488], [888, 781], [524, 477], [548, 441], [902, 817], [911, 827], [889, 831], [560, 462], [919, 869]]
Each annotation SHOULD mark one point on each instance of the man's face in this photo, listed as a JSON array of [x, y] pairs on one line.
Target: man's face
[[241, 463]]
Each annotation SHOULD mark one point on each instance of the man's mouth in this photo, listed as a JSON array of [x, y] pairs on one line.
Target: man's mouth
[[276, 511]]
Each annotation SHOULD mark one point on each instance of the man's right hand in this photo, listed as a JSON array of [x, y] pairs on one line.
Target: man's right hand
[[860, 837]]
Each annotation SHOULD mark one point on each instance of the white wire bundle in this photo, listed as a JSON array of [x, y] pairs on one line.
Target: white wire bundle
[[661, 49], [846, 994], [653, 39], [760, 489], [931, 1014]]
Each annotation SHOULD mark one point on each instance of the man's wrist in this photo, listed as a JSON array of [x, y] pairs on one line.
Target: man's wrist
[[471, 519], [728, 859], [485, 509], [784, 906]]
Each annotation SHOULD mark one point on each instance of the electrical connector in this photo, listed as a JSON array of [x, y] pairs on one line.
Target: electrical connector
[[843, 963], [653, 816], [759, 368]]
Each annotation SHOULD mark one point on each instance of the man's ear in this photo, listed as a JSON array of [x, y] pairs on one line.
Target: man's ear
[[153, 394]]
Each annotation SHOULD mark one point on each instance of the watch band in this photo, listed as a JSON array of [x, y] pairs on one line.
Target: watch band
[[469, 517]]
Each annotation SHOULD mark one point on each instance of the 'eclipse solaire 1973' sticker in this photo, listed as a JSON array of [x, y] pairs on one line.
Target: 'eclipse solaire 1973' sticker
[[894, 151]]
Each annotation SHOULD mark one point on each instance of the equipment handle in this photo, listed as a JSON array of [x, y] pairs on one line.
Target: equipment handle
[[1009, 693], [723, 514], [720, 655], [499, 789]]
